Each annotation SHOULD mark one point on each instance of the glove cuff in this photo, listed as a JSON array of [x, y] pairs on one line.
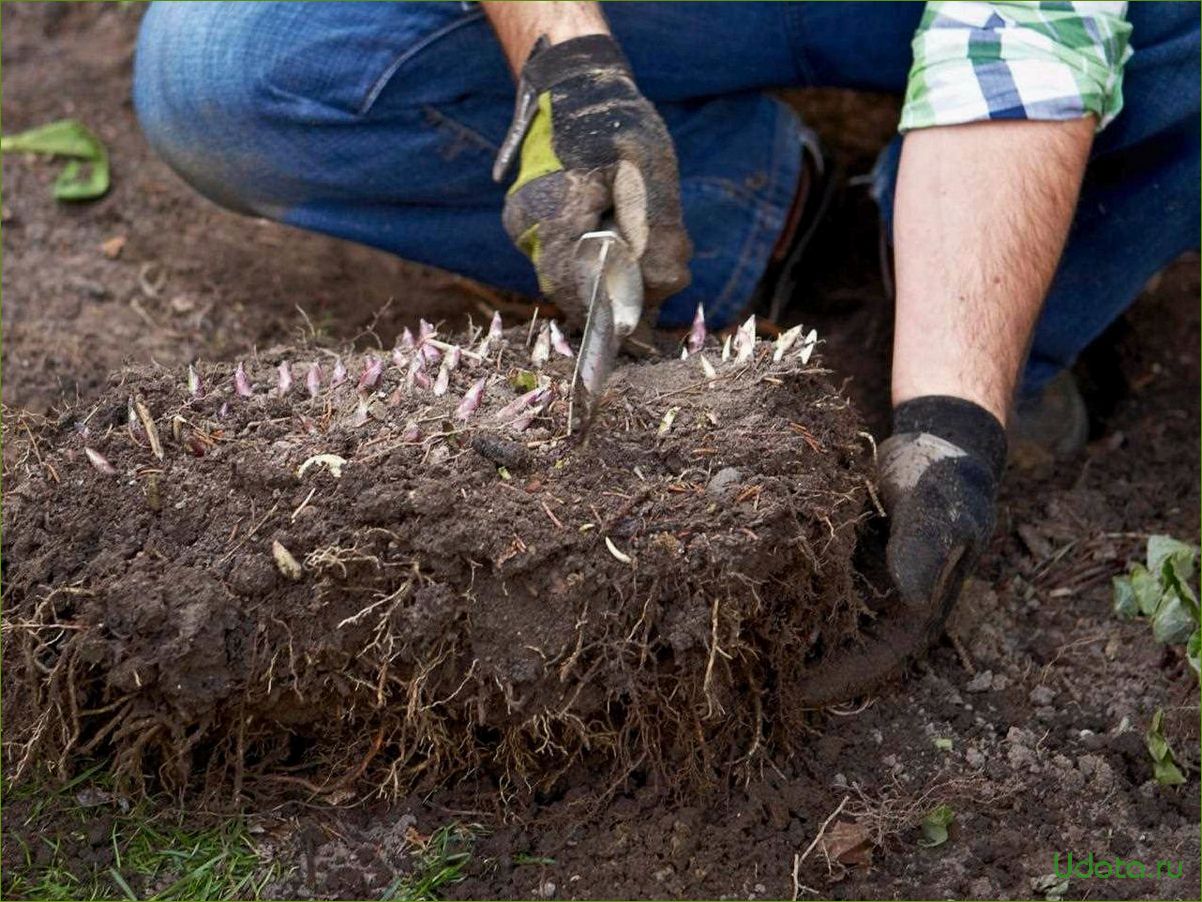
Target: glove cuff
[[551, 65], [963, 423]]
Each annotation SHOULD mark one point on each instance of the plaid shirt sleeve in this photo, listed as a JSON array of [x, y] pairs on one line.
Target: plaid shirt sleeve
[[1052, 60]]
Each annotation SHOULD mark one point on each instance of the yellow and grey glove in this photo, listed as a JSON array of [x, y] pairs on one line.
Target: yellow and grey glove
[[590, 145]]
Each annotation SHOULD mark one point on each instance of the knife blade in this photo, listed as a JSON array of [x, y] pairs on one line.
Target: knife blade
[[609, 279]]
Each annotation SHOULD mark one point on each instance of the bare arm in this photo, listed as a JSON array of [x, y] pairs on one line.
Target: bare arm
[[519, 25], [981, 215]]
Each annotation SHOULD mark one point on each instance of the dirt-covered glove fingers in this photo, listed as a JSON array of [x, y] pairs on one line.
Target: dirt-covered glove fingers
[[582, 128], [545, 218], [938, 474], [647, 207]]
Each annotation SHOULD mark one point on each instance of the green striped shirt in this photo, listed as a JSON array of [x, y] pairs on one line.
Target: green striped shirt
[[978, 61]]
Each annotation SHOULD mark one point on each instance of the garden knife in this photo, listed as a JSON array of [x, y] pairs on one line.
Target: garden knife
[[611, 284]]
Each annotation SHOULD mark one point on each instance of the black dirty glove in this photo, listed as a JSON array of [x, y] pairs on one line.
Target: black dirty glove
[[591, 143], [939, 474]]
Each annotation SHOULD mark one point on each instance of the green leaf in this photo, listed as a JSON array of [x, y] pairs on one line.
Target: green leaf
[[1147, 588], [943, 744], [1164, 768], [1167, 773], [1173, 623], [934, 827], [75, 141], [524, 381], [1193, 651], [1178, 555], [1125, 605]]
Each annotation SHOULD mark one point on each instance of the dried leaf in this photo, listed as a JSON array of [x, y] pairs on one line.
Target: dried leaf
[[147, 421], [848, 842]]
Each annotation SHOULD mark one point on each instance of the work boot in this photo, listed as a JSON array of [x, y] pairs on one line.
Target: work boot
[[815, 191], [1053, 424]]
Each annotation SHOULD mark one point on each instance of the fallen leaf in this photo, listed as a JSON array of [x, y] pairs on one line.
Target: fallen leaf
[[72, 139], [848, 842]]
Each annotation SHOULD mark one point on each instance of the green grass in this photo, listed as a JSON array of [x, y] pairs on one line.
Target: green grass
[[156, 855], [441, 862]]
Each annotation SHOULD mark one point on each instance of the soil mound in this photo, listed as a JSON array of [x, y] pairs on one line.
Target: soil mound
[[208, 572]]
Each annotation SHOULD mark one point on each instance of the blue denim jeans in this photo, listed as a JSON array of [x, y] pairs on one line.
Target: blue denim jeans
[[379, 122]]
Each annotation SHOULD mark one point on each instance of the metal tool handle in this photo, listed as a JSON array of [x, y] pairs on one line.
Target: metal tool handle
[[606, 268]]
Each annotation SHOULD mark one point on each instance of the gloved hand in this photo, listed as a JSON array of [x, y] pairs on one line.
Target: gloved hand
[[591, 143], [938, 473]]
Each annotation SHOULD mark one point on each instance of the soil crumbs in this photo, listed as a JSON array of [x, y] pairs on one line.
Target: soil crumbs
[[1031, 731]]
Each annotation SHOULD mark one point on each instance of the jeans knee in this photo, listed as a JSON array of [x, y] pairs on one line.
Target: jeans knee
[[189, 117]]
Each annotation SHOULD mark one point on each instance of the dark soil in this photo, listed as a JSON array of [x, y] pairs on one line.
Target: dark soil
[[1044, 703], [468, 592]]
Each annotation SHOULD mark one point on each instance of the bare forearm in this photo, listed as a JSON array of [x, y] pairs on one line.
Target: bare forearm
[[519, 25], [980, 218]]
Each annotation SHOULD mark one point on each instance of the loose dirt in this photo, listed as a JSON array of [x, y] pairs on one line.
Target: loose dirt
[[1044, 703]]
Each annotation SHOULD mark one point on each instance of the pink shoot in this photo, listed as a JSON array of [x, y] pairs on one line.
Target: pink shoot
[[313, 379], [196, 386], [471, 400], [807, 346], [697, 333], [373, 369], [285, 378], [412, 432], [521, 422], [521, 402], [745, 340], [495, 328], [542, 347], [443, 382], [339, 375], [421, 379], [98, 460], [451, 360], [558, 342], [399, 358], [242, 384], [407, 342], [224, 411], [424, 330], [784, 341]]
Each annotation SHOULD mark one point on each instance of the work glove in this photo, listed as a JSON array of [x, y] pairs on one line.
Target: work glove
[[591, 145], [938, 474]]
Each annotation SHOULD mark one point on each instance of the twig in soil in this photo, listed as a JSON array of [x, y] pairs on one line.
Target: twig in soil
[[554, 519], [152, 432], [797, 862], [304, 503]]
